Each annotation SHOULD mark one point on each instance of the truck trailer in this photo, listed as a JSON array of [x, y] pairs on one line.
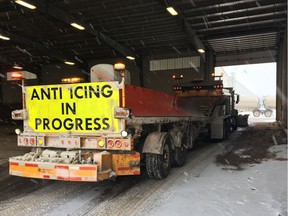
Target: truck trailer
[[107, 128], [264, 106]]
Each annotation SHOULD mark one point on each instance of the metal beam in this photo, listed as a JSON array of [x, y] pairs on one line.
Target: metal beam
[[238, 33], [31, 43], [249, 57], [9, 63], [38, 46], [247, 51], [5, 60], [191, 34], [242, 27], [48, 51], [196, 4], [232, 5], [51, 10], [238, 13], [240, 20]]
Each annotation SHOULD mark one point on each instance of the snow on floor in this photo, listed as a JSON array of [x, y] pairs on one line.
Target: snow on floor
[[258, 190]]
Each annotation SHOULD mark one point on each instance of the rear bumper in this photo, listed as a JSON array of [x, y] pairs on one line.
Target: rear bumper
[[108, 165], [45, 170]]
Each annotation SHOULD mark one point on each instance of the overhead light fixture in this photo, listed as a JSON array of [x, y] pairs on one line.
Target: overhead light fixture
[[201, 50], [130, 57], [69, 63], [17, 67], [25, 4], [75, 25], [172, 11], [119, 66], [4, 38], [16, 75], [72, 80]]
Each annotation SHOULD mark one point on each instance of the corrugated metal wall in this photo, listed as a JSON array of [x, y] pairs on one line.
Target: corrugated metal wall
[[158, 70]]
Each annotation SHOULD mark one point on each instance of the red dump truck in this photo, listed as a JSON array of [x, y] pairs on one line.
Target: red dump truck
[[100, 130]]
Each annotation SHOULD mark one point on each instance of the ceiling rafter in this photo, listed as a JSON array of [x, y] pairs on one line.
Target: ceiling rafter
[[237, 27], [240, 20], [48, 51], [9, 62], [190, 32], [238, 13], [53, 11], [4, 60], [232, 5], [240, 34], [144, 27]]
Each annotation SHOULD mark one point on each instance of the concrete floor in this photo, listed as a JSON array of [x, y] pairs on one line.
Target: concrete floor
[[134, 195]]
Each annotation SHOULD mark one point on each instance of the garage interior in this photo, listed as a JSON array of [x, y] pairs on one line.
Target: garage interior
[[153, 43], [156, 39]]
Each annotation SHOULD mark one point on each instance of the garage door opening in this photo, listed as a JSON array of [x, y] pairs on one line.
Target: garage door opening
[[256, 85]]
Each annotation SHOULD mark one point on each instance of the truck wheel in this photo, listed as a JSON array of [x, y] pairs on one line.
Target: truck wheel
[[149, 165], [225, 131], [234, 124], [256, 113], [180, 153], [229, 127], [180, 156], [268, 113], [158, 165]]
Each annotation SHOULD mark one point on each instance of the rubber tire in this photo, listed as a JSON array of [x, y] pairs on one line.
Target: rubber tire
[[180, 156], [234, 124], [150, 165], [229, 127], [180, 153], [256, 113], [225, 130], [155, 166], [268, 113]]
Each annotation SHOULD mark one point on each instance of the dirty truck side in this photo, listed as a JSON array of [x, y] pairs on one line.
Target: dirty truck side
[[100, 130]]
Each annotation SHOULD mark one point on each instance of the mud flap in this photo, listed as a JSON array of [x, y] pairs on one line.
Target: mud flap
[[126, 164], [154, 143]]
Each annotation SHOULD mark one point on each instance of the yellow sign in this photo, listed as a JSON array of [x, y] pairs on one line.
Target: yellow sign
[[82, 107]]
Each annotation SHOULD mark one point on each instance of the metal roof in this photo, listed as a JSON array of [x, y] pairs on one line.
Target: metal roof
[[135, 27]]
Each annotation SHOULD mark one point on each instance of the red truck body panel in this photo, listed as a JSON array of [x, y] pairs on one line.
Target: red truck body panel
[[151, 103]]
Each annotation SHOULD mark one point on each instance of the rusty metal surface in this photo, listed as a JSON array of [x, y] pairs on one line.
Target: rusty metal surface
[[44, 170], [126, 164]]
